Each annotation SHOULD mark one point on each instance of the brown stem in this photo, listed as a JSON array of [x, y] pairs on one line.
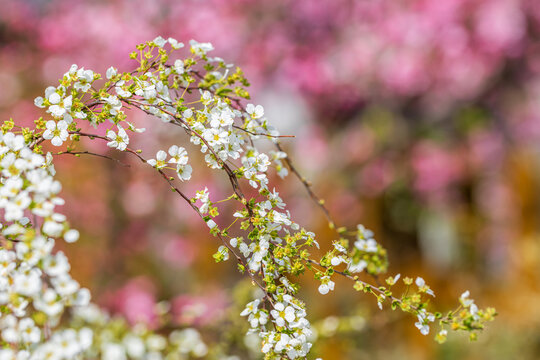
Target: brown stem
[[93, 154]]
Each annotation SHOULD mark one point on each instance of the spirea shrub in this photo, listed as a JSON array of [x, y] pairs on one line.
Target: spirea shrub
[[45, 314]]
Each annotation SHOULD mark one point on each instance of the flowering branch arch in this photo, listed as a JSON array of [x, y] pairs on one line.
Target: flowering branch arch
[[47, 315]]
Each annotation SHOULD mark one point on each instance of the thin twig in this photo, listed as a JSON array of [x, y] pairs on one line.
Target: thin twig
[[93, 154]]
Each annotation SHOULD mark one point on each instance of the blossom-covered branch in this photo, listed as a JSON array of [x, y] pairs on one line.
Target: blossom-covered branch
[[205, 97]]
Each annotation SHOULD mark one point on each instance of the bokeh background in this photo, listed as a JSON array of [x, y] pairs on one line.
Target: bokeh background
[[418, 118]]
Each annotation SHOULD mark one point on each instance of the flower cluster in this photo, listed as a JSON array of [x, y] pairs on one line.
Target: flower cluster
[[115, 340], [268, 245], [293, 332], [179, 158], [35, 286]]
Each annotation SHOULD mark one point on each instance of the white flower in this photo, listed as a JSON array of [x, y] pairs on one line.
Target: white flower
[[179, 67], [256, 112], [156, 342], [175, 44], [14, 210], [258, 318], [212, 161], [134, 346], [56, 132], [85, 79], [13, 142], [49, 91], [39, 102], [223, 250], [86, 75], [61, 107], [81, 297], [56, 265], [111, 72], [251, 307], [393, 280], [52, 228], [49, 303], [72, 69], [464, 299], [29, 332], [215, 136], [86, 336], [206, 97], [204, 197], [159, 161], [336, 260], [27, 284], [187, 114], [212, 224], [244, 249], [110, 351], [421, 283], [7, 263], [283, 315], [221, 116], [474, 310], [122, 91], [71, 236], [9, 331], [184, 172], [340, 248], [115, 104], [65, 285], [54, 98], [369, 245], [423, 320], [178, 155], [159, 41], [424, 328], [200, 48], [326, 285], [118, 141], [146, 90], [8, 354]]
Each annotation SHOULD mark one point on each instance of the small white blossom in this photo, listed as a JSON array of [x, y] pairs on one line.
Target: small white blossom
[[464, 299], [56, 132], [179, 67], [256, 112], [421, 283], [71, 236], [326, 286], [212, 224], [159, 41], [111, 72], [178, 155], [200, 48], [29, 332], [159, 161], [184, 172], [118, 141], [369, 245], [283, 314], [175, 44]]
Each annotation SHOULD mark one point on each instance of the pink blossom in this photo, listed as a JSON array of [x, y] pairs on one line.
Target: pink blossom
[[198, 310], [435, 168], [178, 252], [136, 301]]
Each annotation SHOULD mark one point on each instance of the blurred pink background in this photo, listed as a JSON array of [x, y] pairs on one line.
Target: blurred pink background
[[420, 119]]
